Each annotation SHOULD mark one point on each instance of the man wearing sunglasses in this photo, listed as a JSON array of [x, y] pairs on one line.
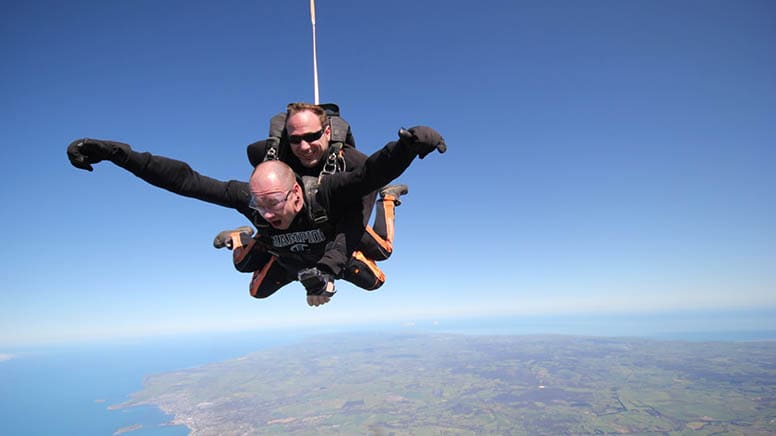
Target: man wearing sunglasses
[[305, 144], [291, 239], [304, 137]]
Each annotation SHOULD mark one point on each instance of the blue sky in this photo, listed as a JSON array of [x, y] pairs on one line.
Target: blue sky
[[604, 156]]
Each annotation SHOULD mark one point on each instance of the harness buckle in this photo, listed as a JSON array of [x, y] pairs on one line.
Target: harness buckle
[[272, 151], [330, 166]]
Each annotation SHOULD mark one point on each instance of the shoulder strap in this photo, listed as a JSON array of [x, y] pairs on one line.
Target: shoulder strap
[[316, 210], [340, 129], [277, 127]]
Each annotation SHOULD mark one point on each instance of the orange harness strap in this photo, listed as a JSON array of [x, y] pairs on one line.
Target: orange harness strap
[[388, 206], [258, 276], [240, 251], [372, 266]]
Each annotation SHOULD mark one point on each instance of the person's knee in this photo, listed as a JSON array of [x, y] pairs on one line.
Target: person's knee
[[373, 285], [375, 247], [244, 263], [263, 289], [363, 273], [260, 295], [267, 280], [364, 282], [384, 254]]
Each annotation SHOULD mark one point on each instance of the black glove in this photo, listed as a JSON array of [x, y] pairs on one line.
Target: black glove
[[85, 152], [315, 281], [423, 140]]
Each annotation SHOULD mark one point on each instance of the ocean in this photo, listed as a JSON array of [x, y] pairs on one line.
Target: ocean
[[67, 390]]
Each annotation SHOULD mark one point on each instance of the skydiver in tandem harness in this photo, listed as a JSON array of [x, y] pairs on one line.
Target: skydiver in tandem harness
[[316, 142], [290, 243]]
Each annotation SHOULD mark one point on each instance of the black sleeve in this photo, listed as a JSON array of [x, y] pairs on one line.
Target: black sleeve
[[178, 177], [355, 159], [349, 231], [341, 189], [335, 257]]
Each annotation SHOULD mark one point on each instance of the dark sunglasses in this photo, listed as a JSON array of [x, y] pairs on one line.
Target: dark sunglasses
[[307, 137]]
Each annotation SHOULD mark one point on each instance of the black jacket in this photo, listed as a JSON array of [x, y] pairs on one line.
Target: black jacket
[[304, 243]]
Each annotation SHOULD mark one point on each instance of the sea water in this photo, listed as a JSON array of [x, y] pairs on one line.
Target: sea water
[[67, 390]]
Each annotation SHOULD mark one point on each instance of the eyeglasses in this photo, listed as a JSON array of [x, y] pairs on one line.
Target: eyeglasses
[[270, 203], [307, 137]]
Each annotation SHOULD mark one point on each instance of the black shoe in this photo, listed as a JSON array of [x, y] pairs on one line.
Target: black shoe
[[224, 238], [395, 191]]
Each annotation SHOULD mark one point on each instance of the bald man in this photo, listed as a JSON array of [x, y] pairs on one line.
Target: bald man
[[289, 245]]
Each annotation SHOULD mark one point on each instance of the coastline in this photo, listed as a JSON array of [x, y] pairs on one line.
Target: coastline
[[92, 376], [433, 371]]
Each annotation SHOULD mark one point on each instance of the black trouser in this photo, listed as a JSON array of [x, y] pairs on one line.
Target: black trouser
[[269, 275]]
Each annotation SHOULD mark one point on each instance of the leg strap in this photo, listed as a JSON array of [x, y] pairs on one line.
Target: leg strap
[[271, 277]]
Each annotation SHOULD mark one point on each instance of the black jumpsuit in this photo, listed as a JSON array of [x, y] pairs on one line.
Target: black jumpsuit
[[305, 243]]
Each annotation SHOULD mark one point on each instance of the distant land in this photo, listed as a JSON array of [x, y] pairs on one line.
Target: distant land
[[401, 384]]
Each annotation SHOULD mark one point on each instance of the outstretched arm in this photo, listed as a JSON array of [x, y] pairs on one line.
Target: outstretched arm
[[170, 174], [382, 166]]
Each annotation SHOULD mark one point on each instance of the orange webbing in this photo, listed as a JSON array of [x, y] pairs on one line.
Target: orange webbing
[[236, 240], [239, 251], [386, 245], [258, 276], [378, 273], [388, 206], [389, 217]]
